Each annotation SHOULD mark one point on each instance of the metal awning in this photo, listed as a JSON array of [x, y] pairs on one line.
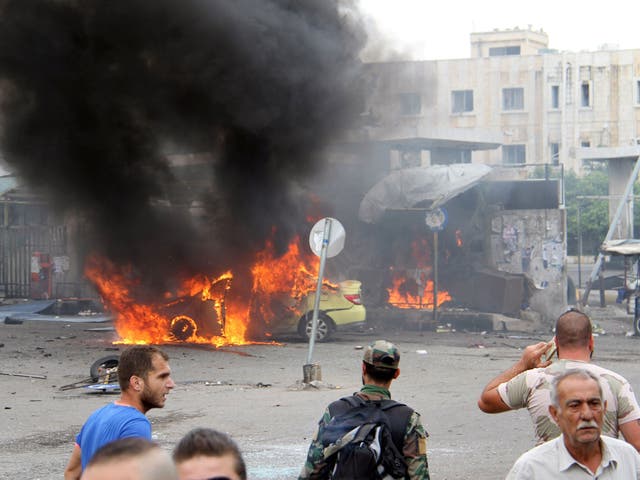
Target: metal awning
[[629, 246], [429, 187]]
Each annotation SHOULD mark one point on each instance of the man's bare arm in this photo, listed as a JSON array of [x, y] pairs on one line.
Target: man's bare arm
[[490, 400], [74, 467], [631, 432]]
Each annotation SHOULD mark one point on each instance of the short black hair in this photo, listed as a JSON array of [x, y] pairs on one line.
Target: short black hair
[[137, 360], [379, 374], [209, 443]]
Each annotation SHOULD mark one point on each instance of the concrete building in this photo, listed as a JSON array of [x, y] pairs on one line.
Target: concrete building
[[543, 106]]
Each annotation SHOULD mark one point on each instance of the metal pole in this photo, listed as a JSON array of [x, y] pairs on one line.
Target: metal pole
[[316, 304], [579, 249], [435, 278], [596, 267]]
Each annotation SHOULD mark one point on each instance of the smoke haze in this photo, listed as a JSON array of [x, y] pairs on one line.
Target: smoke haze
[[95, 93]]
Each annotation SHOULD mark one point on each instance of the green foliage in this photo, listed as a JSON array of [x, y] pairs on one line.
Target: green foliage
[[594, 214]]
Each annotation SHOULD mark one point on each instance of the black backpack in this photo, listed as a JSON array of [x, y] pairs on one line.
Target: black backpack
[[364, 439]]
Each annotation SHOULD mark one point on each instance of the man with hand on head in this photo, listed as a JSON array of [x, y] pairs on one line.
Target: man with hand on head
[[527, 383]]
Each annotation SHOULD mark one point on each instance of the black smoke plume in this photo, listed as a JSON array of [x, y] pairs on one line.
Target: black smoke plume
[[94, 94]]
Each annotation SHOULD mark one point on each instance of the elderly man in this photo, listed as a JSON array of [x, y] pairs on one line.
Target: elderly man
[[578, 407], [526, 383]]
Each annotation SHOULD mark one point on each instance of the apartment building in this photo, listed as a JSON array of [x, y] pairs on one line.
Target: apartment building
[[540, 105]]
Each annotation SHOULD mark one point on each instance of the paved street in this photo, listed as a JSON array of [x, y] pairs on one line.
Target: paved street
[[253, 392]]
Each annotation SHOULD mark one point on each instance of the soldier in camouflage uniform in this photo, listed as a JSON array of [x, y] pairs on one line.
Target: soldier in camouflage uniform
[[379, 357], [528, 383]]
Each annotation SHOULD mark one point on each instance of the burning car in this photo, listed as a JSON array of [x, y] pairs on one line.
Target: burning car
[[340, 309]]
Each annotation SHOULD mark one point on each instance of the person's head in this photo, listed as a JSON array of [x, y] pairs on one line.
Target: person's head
[[204, 453], [131, 458], [380, 362], [578, 406], [143, 371], [573, 331]]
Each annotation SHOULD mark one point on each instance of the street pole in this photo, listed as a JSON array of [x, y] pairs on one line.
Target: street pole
[[435, 278], [579, 249], [316, 304]]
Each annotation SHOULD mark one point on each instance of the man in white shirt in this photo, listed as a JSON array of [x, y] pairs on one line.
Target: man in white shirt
[[577, 406]]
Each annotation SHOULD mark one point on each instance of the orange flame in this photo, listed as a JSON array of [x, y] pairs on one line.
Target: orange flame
[[139, 323], [406, 293], [280, 282], [459, 241], [200, 311]]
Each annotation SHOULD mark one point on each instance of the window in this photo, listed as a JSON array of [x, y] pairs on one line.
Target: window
[[410, 158], [555, 153], [637, 92], [555, 96], [501, 51], [512, 99], [449, 156], [513, 154], [410, 104], [461, 101], [585, 143], [585, 95]]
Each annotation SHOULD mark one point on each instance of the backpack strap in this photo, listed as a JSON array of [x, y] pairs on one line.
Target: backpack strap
[[397, 413]]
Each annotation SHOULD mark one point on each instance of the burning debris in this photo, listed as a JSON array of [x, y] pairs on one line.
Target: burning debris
[[206, 310], [95, 95]]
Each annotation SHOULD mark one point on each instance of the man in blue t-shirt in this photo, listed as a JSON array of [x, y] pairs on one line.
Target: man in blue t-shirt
[[145, 380]]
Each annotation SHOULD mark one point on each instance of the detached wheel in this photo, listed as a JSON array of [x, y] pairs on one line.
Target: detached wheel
[[100, 366], [324, 329]]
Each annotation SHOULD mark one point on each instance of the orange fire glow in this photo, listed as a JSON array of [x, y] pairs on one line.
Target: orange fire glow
[[279, 282], [405, 293], [412, 288], [201, 311]]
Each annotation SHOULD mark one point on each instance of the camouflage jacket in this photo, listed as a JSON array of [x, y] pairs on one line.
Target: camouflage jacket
[[532, 389], [414, 448]]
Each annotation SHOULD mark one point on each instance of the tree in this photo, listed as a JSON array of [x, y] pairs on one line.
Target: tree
[[594, 214]]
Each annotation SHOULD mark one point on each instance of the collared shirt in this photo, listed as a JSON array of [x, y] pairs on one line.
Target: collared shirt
[[532, 389], [551, 460]]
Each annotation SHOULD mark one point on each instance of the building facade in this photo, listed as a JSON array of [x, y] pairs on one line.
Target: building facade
[[543, 106]]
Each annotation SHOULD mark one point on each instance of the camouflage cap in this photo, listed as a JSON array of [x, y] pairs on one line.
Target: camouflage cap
[[382, 354]]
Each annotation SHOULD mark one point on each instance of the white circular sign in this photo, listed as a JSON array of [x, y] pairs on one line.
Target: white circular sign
[[335, 242]]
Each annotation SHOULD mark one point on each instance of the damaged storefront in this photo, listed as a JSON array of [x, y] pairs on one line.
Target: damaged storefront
[[497, 262]]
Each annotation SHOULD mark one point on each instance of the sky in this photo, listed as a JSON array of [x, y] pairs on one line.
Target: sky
[[428, 30]]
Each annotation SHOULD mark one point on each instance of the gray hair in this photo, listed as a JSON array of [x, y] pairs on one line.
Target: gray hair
[[574, 372]]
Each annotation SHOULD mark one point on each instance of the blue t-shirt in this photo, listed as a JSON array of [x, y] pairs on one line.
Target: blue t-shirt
[[110, 423]]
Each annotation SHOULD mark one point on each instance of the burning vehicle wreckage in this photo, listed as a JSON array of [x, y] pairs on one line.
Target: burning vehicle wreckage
[[208, 310]]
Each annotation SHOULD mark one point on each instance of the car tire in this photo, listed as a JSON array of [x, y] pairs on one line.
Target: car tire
[[324, 328], [98, 367]]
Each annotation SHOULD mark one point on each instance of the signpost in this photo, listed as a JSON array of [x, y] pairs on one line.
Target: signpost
[[436, 220], [326, 240]]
